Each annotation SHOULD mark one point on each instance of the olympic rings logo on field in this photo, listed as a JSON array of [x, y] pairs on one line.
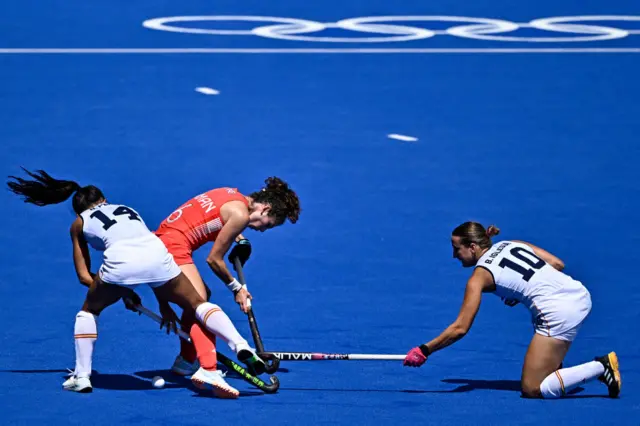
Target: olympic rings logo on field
[[385, 29]]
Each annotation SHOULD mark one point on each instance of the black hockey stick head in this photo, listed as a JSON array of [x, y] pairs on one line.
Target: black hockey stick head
[[271, 387], [272, 362]]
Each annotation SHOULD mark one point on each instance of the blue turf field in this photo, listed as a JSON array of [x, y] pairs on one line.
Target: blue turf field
[[544, 145]]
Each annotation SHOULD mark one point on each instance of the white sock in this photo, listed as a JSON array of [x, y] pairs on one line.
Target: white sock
[[217, 322], [85, 333], [562, 381]]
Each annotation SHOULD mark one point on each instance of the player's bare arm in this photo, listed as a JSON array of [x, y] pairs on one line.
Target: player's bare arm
[[81, 257], [481, 281], [235, 217]]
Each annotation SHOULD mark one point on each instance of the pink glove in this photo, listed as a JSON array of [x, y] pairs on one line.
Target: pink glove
[[414, 358]]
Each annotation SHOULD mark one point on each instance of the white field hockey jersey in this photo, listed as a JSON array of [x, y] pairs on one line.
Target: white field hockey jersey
[[132, 253], [521, 275], [107, 224]]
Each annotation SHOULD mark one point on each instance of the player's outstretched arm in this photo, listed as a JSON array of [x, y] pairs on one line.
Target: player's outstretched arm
[[480, 281], [546, 256], [81, 256], [470, 306]]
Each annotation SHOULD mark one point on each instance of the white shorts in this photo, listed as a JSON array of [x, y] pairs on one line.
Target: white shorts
[[562, 315], [134, 262]]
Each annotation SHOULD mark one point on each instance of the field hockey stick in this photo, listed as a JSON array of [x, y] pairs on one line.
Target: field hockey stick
[[315, 356], [255, 381], [271, 362]]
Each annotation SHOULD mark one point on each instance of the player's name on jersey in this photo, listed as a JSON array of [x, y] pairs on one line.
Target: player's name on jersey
[[205, 202], [497, 252]]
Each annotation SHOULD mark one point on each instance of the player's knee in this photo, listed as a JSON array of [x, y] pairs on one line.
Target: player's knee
[[197, 301], [530, 390], [189, 297], [91, 308], [193, 301]]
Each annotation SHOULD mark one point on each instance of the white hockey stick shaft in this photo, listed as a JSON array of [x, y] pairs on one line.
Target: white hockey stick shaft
[[314, 356]]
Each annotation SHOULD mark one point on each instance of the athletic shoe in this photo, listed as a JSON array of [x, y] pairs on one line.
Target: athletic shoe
[[248, 356], [611, 376], [78, 384], [182, 367], [214, 380]]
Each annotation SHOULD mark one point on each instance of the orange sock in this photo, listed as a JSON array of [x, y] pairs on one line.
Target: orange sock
[[205, 346]]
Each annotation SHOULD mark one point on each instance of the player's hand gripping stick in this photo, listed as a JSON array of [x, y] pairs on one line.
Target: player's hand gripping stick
[[272, 362]]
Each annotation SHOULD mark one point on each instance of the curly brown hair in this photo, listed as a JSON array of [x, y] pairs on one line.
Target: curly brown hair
[[283, 200]]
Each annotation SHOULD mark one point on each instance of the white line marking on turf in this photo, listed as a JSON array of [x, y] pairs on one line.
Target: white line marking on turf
[[207, 91], [313, 50], [402, 138]]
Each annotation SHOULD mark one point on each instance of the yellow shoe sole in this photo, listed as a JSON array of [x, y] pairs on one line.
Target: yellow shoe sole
[[615, 365]]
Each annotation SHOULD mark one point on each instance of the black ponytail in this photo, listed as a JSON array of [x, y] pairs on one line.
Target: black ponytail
[[44, 190]]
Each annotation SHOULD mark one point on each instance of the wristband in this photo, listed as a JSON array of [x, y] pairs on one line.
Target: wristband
[[234, 286], [425, 350]]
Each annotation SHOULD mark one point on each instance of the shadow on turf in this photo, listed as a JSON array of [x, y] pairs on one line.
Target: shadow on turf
[[183, 382], [119, 381], [137, 382], [466, 385]]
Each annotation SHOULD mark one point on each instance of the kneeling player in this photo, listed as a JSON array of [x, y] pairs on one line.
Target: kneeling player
[[520, 272]]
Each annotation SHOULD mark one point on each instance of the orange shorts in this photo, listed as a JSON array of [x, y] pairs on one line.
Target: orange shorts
[[177, 244]]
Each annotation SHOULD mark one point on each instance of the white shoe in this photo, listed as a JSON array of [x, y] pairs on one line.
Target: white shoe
[[214, 381], [78, 384], [183, 367]]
